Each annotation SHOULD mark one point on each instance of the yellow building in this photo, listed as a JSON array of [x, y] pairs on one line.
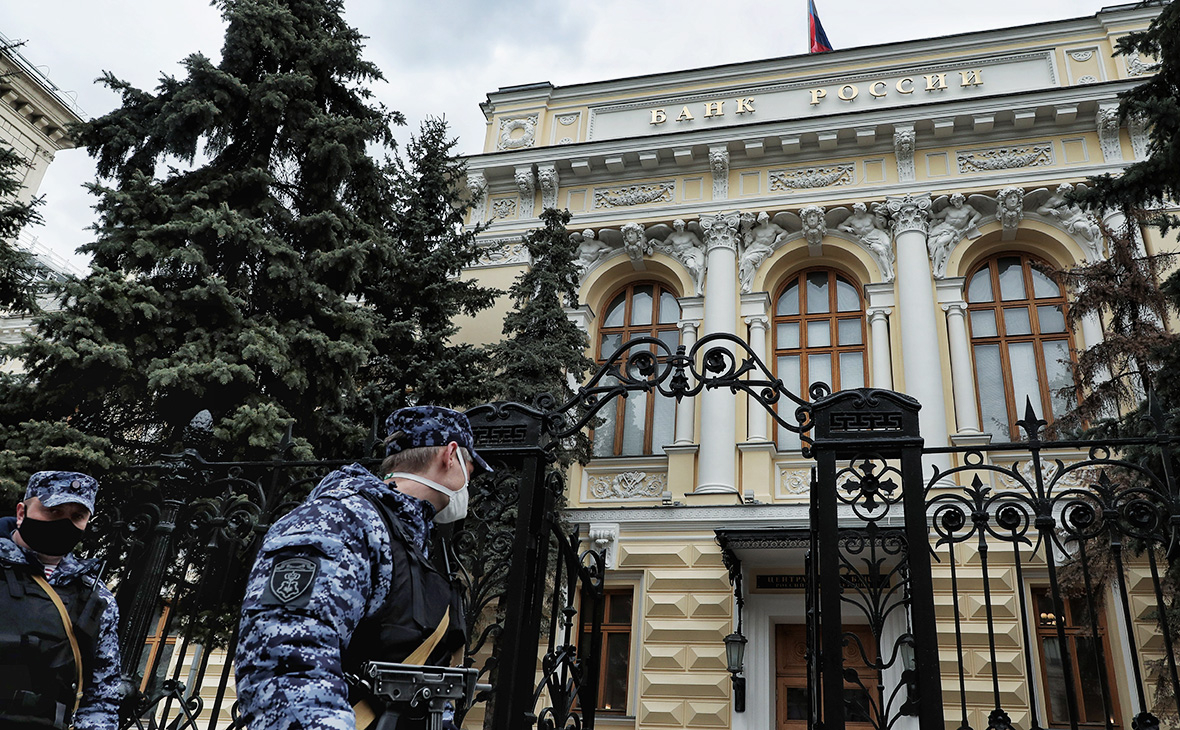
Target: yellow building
[[867, 217]]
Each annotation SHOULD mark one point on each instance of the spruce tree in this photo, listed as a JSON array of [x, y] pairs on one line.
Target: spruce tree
[[18, 269], [542, 350], [1138, 352], [1155, 104], [238, 207], [1112, 376], [414, 288]]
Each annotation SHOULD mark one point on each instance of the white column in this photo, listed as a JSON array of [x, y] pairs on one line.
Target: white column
[[755, 411], [919, 335], [962, 379], [879, 301], [879, 333], [718, 456], [756, 314], [686, 410], [952, 297]]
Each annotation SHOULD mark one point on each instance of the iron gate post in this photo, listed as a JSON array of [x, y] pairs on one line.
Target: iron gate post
[[511, 434], [873, 425]]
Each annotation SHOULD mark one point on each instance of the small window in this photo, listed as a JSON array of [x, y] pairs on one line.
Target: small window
[[1089, 660], [614, 673]]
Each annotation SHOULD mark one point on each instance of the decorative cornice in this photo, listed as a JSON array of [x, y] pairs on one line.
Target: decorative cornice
[[909, 213], [707, 517]]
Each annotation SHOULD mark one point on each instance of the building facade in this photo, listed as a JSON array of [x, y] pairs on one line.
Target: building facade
[[874, 217], [34, 118]]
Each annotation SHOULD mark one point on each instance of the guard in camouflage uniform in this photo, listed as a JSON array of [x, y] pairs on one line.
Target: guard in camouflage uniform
[[348, 577], [59, 646]]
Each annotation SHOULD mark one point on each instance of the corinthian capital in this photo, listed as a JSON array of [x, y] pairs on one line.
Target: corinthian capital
[[909, 213], [721, 230]]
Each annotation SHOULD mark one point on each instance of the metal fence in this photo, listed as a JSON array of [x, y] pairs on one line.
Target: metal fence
[[1021, 540]]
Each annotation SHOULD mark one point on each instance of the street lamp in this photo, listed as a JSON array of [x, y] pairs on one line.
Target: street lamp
[[735, 652]]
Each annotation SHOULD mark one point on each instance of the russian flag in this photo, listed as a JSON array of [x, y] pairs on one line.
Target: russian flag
[[818, 39]]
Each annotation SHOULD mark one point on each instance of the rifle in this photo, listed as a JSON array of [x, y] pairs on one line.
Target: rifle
[[410, 685]]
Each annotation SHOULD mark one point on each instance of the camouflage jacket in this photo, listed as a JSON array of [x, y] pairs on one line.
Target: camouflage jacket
[[102, 691], [321, 569]]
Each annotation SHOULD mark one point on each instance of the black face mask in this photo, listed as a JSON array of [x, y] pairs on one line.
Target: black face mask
[[50, 537]]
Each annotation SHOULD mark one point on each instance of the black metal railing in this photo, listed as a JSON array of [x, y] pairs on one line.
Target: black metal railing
[[888, 535]]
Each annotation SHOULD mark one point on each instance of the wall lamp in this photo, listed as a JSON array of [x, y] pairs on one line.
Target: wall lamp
[[735, 653]]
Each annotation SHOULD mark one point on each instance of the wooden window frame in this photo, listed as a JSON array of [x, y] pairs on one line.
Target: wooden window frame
[[1003, 340], [616, 629], [1046, 629], [628, 331], [832, 316], [155, 643]]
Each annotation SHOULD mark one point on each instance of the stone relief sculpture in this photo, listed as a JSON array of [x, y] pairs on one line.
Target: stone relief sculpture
[[758, 241], [517, 133], [549, 179], [1010, 210], [526, 183], [719, 165], [904, 142], [682, 243], [870, 230], [477, 184], [1070, 217], [590, 250], [636, 243], [815, 227], [950, 225]]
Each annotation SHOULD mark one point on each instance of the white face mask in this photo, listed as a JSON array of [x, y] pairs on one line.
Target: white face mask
[[456, 509]]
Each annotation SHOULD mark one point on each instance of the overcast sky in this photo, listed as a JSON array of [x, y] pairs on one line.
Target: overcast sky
[[442, 57]]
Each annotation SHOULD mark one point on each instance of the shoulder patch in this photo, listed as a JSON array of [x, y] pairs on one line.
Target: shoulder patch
[[290, 582]]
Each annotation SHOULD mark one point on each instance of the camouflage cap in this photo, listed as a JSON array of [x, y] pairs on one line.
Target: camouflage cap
[[410, 428], [60, 487]]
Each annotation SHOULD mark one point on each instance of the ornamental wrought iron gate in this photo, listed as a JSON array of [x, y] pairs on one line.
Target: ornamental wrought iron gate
[[1002, 552]]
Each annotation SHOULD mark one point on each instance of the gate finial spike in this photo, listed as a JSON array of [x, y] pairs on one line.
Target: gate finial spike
[[1031, 424]]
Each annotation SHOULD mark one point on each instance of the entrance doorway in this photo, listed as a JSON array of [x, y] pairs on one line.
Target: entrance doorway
[[792, 703]]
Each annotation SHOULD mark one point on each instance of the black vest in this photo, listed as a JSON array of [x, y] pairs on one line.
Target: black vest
[[418, 597], [37, 670]]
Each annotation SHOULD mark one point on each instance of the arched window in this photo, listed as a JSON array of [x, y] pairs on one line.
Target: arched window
[[1021, 345], [641, 423], [819, 335]]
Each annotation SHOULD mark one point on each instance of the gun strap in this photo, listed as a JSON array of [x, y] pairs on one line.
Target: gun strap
[[69, 625], [363, 710]]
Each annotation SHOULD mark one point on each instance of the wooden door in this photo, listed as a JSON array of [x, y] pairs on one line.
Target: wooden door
[[792, 704]]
